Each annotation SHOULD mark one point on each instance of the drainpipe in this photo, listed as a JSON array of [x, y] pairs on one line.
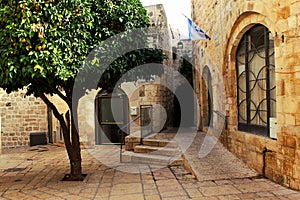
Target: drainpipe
[[265, 151]]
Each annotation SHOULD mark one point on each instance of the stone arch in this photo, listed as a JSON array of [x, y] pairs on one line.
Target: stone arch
[[246, 16], [207, 97], [250, 12], [184, 107]]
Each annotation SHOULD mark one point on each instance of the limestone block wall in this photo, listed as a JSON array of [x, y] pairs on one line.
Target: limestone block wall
[[145, 93], [226, 21], [86, 118], [153, 94], [159, 97], [62, 108], [19, 117]]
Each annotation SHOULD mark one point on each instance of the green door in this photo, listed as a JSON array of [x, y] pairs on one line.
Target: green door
[[111, 115]]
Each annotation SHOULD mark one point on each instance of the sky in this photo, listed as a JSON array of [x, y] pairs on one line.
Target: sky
[[174, 10]]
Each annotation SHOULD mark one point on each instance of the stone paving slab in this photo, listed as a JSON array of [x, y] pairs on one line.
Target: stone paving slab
[[41, 178], [218, 164]]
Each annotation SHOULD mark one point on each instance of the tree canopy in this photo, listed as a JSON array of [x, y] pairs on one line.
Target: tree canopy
[[43, 43]]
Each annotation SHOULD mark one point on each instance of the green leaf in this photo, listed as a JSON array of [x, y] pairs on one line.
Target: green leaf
[[90, 24], [38, 68]]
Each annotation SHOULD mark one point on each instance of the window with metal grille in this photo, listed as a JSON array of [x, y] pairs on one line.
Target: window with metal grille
[[256, 88]]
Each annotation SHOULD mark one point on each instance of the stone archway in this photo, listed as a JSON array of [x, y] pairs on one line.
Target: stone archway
[[184, 107], [207, 97]]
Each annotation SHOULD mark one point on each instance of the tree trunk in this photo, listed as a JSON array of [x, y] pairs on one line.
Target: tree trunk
[[71, 139], [75, 153], [75, 164], [73, 149]]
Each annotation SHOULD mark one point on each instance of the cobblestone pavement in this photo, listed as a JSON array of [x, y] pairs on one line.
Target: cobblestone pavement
[[36, 173]]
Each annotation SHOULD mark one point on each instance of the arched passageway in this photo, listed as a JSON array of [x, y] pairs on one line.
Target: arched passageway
[[184, 106], [207, 97]]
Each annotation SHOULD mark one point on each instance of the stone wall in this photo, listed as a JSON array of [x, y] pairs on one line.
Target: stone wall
[[62, 108], [86, 118], [226, 21], [19, 117], [155, 94], [145, 93]]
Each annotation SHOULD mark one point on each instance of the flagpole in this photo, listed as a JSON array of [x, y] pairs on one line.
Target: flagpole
[[184, 15]]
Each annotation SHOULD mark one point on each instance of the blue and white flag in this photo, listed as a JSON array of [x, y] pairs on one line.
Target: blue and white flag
[[196, 33]]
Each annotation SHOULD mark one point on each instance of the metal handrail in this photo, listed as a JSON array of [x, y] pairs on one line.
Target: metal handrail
[[220, 114], [225, 118], [151, 122], [122, 134]]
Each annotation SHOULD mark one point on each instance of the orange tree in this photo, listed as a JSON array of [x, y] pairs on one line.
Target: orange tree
[[43, 44]]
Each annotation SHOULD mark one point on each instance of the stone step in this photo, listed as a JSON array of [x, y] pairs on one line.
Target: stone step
[[145, 158], [159, 143], [153, 150], [164, 136]]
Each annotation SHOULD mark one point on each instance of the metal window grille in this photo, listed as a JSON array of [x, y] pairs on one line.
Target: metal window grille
[[256, 88]]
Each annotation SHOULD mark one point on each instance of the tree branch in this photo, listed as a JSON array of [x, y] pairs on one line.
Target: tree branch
[[54, 89], [60, 118]]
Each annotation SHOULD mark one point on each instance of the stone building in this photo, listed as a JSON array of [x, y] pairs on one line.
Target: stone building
[[141, 93], [19, 117], [156, 92], [247, 78]]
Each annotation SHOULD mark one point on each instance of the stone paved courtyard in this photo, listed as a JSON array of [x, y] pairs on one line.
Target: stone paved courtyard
[[36, 173]]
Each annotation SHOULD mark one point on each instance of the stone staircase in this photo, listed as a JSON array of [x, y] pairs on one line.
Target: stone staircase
[[157, 149]]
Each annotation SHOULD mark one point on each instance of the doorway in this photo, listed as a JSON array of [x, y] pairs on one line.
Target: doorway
[[184, 106], [207, 97], [111, 115]]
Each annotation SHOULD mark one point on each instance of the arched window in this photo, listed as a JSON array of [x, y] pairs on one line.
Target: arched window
[[256, 88]]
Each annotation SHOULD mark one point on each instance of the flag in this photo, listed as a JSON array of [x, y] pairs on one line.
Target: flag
[[196, 33]]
